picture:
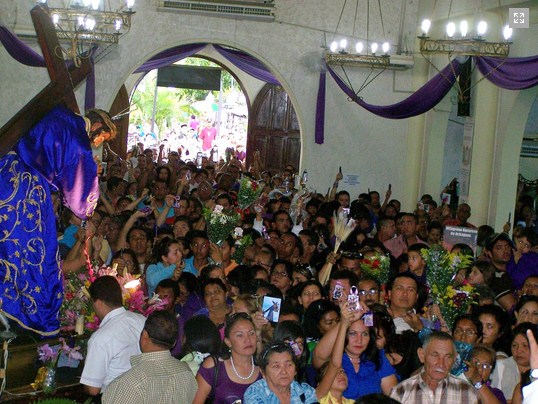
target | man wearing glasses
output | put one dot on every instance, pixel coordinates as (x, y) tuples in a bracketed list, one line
[(369, 292)]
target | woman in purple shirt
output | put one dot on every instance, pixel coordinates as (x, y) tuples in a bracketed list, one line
[(235, 372)]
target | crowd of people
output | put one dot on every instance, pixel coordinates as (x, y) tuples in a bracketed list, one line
[(212, 342)]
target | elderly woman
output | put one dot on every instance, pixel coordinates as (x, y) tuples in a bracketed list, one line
[(480, 366), (235, 372), (278, 365)]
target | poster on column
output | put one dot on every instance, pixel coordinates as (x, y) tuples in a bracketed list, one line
[(467, 152)]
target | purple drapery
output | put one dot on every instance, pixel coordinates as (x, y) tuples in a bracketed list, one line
[(19, 50), (22, 53), (248, 64), (169, 56), (510, 73), (424, 99), (429, 95), (320, 109)]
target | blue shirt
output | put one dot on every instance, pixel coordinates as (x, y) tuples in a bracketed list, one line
[(367, 380), (156, 273), (260, 393), (189, 266)]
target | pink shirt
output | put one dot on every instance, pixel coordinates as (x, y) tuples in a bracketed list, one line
[(398, 245)]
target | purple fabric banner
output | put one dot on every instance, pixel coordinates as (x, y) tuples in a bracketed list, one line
[(320, 109), (18, 50), (22, 53), (169, 56), (248, 64), (510, 73), (424, 99)]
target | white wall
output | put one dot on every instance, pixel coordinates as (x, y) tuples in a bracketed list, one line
[(404, 153)]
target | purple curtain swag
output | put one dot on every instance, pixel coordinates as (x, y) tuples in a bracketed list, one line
[(22, 53), (248, 64), (510, 73)]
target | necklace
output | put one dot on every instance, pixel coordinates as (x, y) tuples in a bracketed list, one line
[(235, 370)]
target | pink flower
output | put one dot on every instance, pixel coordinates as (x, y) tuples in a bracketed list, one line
[(46, 353)]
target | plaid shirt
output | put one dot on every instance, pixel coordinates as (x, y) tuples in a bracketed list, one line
[(450, 390), (156, 377)]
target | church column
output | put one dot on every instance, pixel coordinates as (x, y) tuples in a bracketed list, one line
[(415, 145), (485, 102)]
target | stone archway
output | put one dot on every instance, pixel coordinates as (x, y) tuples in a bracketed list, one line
[(251, 92)]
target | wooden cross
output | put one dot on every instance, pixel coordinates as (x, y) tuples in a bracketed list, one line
[(60, 90)]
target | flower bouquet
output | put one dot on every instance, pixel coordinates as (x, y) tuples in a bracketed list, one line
[(377, 267), (46, 375), (219, 224), (249, 191), (454, 302), (242, 242), (442, 269), (76, 300)]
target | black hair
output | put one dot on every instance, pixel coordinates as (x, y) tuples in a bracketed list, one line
[(169, 284), (290, 330), (271, 348), (161, 249), (162, 328), (213, 281), (201, 335), (108, 290), (474, 320), (405, 345), (113, 182), (206, 271), (501, 317), (131, 253), (190, 281), (371, 353), (314, 314)]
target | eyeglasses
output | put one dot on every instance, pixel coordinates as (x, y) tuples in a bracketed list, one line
[(485, 365), (370, 292), (280, 274), (468, 332)]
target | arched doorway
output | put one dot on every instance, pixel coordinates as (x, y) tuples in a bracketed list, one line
[(273, 125), (274, 129)]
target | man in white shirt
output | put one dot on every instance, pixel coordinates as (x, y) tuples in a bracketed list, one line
[(110, 347), (530, 392)]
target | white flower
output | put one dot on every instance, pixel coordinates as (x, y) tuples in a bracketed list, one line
[(218, 209), (238, 232)]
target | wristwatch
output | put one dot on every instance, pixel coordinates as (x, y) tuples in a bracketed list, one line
[(534, 375), (478, 385)]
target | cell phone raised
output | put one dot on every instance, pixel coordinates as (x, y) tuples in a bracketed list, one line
[(271, 308)]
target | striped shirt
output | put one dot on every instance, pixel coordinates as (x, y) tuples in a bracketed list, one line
[(450, 390), (156, 377)]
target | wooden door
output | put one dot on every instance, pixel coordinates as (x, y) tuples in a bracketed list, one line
[(274, 130), (119, 106)]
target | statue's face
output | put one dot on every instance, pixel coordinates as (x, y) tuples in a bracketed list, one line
[(99, 134)]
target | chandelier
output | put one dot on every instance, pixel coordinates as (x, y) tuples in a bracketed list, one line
[(463, 41), (87, 23), (369, 53)]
